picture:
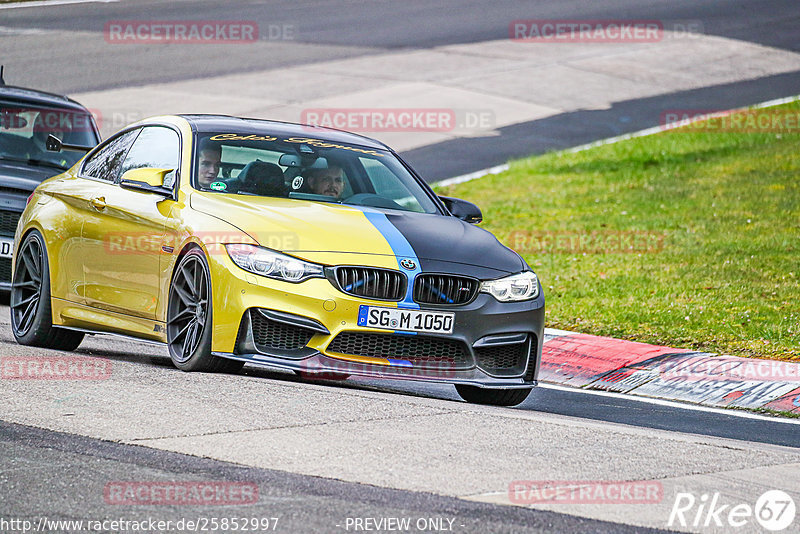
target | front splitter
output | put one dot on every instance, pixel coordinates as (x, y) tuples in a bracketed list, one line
[(320, 364)]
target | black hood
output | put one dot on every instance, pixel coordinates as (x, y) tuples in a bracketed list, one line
[(23, 177), (439, 241)]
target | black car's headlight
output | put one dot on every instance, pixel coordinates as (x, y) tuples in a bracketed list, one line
[(522, 286), (265, 262)]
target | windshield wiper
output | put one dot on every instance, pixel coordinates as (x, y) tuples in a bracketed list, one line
[(45, 163), (9, 158)]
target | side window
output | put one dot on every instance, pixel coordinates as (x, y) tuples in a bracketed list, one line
[(106, 162), (157, 147)]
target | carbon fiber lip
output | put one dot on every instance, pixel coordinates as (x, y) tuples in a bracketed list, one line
[(319, 363)]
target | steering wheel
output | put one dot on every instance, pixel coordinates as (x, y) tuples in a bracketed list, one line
[(372, 200)]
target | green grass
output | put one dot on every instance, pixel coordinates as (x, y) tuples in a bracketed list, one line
[(721, 272)]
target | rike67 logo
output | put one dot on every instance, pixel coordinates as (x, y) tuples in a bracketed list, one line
[(774, 510)]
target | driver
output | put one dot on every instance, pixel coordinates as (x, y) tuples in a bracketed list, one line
[(208, 164), (38, 148), (328, 182)]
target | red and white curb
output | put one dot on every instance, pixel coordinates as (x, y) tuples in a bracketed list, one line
[(615, 365)]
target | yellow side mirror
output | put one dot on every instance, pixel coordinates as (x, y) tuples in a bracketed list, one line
[(146, 175)]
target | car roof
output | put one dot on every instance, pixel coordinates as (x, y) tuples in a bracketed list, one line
[(226, 123), (33, 96)]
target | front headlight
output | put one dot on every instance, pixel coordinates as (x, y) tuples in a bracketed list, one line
[(522, 286), (265, 262)]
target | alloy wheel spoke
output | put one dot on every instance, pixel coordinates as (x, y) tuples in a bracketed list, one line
[(201, 283), (30, 264), (189, 280), (188, 340), (27, 300), (27, 315), (184, 296), (37, 263), (182, 315), (195, 339), (183, 330), (183, 345), (33, 263)]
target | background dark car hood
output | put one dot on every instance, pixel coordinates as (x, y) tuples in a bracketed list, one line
[(23, 177)]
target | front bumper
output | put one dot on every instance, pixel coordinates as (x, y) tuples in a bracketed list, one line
[(500, 343)]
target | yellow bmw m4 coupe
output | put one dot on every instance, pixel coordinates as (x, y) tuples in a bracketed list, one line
[(281, 245)]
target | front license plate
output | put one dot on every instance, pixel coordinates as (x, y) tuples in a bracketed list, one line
[(6, 247), (408, 320)]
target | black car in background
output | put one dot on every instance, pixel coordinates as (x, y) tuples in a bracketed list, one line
[(27, 117)]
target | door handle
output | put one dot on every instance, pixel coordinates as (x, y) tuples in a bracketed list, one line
[(98, 203)]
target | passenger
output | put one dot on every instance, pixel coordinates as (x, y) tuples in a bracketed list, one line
[(328, 182)]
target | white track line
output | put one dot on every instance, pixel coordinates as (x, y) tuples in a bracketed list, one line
[(45, 3), (472, 176), (610, 140), (673, 404)]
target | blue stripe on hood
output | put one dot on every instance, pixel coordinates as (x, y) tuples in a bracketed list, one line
[(402, 249)]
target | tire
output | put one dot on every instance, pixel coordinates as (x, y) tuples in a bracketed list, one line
[(189, 318), (31, 312), (493, 396)]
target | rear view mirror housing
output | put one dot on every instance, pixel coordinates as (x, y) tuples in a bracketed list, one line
[(462, 209), (147, 179), (54, 144)]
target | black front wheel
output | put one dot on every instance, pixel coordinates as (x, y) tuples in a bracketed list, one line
[(31, 314), (493, 396), (189, 318)]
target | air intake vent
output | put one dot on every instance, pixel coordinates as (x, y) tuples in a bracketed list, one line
[(5, 270), (506, 360), (444, 289), (270, 335), (420, 350), (369, 282), (8, 222), (532, 359)]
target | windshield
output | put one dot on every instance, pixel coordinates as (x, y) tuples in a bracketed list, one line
[(24, 130), (306, 168)]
